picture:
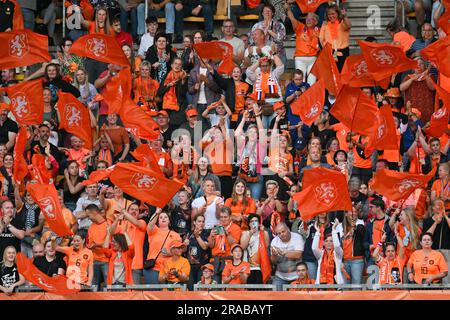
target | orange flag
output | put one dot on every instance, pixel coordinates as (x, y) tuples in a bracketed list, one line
[(18, 17), (38, 170), (75, 118), (59, 284), (46, 198), (117, 91), (264, 260), (138, 122), (100, 47), (217, 50), (310, 104), (356, 74), (439, 53), (20, 170), (97, 176), (354, 109), (438, 123), (398, 185), (385, 137), (383, 60), (309, 5), (22, 48), (145, 153), (323, 190), (27, 101), (144, 184), (325, 68)]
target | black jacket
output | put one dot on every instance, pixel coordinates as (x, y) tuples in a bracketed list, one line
[(229, 88), (176, 117), (152, 57)]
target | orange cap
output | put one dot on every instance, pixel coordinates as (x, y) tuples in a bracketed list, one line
[(191, 113), (208, 266), (393, 93), (176, 244), (163, 113), (278, 105)]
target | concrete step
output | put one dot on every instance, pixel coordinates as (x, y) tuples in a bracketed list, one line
[(365, 4)]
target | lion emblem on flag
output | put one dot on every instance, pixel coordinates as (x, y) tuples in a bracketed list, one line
[(360, 69), (326, 193), (19, 104), (73, 115), (406, 185), (143, 181), (383, 57), (48, 207), (313, 111), (97, 47), (18, 45)]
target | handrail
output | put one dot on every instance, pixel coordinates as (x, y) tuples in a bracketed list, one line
[(365, 287), (215, 287), (147, 287)]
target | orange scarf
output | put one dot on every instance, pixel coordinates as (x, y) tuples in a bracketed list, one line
[(170, 100), (105, 155), (327, 268)]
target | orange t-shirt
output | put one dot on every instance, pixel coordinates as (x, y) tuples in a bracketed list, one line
[(377, 232), (348, 250), (239, 208), (112, 207), (164, 160), (137, 237), (78, 263), (222, 247), (416, 166), (119, 137), (239, 99), (97, 233), (280, 163), (231, 268), (78, 156), (181, 265), (220, 159), (386, 267), (306, 41), (424, 268), (305, 281), (341, 134), (405, 39), (156, 239), (360, 162)]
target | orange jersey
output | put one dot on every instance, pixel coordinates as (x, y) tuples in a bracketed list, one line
[(348, 250), (156, 239), (426, 266), (181, 265), (280, 163), (239, 99), (137, 237), (306, 41), (341, 134), (221, 157), (230, 268), (409, 248), (97, 234), (78, 263), (239, 208), (304, 282), (442, 190)]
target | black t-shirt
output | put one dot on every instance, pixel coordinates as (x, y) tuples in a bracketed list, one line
[(9, 276), (167, 135), (181, 220), (50, 268), (9, 239), (7, 9), (195, 253), (69, 197), (8, 126), (283, 124), (441, 235)]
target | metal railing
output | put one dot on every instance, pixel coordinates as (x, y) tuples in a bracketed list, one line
[(148, 287), (33, 288), (225, 287), (364, 287)]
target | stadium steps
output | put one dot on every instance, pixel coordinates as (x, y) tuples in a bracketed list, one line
[(361, 12)]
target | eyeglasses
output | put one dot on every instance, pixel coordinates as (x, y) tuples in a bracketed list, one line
[(231, 26)]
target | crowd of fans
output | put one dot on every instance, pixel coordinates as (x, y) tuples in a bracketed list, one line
[(233, 199)]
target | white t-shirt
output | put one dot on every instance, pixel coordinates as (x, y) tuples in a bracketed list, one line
[(238, 45), (202, 95), (146, 42), (214, 119), (296, 243), (210, 213), (254, 56)]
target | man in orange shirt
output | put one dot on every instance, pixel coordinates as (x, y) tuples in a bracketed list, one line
[(222, 237), (97, 234), (163, 158), (236, 271), (80, 261), (176, 269)]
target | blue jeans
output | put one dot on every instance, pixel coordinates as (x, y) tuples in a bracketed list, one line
[(312, 269), (206, 12), (141, 26), (28, 18), (100, 272), (168, 12), (267, 119), (355, 269), (137, 274), (133, 15), (279, 282), (151, 276), (257, 187)]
